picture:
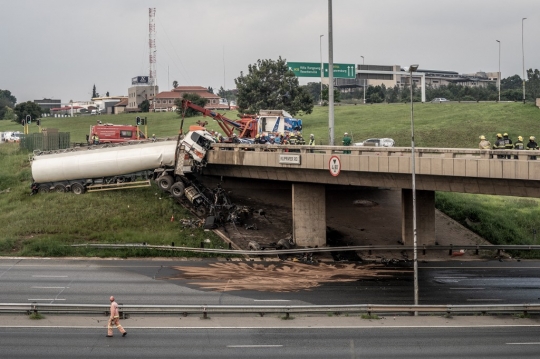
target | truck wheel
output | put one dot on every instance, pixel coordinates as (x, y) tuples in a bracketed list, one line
[(60, 188), (165, 182), (43, 188), (254, 246), (283, 244), (77, 188), (177, 190), (201, 211)]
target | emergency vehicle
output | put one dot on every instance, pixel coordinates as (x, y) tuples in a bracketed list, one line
[(109, 133)]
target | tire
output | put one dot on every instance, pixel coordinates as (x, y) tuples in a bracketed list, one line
[(77, 188), (201, 211), (177, 190), (59, 188), (254, 246), (283, 244), (43, 188), (165, 182)]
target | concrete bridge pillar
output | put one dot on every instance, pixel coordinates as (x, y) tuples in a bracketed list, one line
[(425, 217), (309, 214)]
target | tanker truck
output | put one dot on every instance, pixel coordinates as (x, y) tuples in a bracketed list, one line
[(170, 163)]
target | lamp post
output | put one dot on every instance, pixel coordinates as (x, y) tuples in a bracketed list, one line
[(523, 53), (364, 82), (499, 75), (322, 69), (412, 69)]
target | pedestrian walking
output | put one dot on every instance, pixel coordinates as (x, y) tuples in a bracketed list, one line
[(114, 319), (312, 140), (484, 144)]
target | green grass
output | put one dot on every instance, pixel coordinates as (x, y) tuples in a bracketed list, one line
[(43, 225)]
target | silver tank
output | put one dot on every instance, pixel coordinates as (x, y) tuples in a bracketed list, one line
[(102, 162)]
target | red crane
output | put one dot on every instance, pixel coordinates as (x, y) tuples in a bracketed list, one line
[(246, 126)]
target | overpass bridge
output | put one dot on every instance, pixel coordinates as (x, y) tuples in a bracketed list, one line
[(310, 168)]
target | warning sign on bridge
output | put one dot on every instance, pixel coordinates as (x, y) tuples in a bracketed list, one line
[(334, 165)]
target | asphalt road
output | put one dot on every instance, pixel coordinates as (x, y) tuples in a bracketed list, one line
[(158, 282), (411, 342)]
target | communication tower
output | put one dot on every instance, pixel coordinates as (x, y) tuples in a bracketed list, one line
[(152, 47)]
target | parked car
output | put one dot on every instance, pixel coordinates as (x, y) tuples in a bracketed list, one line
[(377, 142), (439, 100)]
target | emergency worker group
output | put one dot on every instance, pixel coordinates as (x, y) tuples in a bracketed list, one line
[(503, 142)]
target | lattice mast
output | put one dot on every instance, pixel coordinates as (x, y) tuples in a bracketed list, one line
[(152, 48)]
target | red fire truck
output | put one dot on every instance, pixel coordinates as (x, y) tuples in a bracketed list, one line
[(109, 133)]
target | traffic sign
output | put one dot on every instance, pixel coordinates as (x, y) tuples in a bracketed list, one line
[(313, 69), (344, 71), (334, 165), (305, 69)]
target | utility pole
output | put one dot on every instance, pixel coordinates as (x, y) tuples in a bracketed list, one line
[(523, 53), (330, 76)]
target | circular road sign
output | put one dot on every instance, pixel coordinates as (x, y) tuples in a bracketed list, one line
[(334, 165)]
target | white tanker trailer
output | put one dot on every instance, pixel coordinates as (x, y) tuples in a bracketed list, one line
[(125, 165)]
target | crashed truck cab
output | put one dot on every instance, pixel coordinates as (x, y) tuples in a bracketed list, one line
[(196, 142)]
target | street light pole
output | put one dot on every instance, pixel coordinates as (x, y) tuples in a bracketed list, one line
[(499, 75), (322, 69), (364, 82), (523, 53), (412, 69), (330, 75)]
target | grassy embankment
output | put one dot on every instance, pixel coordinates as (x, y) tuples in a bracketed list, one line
[(41, 225)]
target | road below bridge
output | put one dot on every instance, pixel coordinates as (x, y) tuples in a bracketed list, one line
[(214, 282)]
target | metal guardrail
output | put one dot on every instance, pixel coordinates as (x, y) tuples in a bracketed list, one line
[(272, 252), (204, 310)]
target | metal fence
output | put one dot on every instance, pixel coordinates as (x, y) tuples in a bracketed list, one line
[(204, 310), (45, 141)]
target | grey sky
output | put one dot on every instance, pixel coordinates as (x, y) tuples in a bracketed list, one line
[(61, 48)]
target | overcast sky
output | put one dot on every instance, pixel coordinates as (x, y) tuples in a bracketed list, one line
[(60, 48)]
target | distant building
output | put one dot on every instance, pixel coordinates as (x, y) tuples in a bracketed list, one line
[(141, 89), (395, 75), (164, 101), (105, 105), (48, 104)]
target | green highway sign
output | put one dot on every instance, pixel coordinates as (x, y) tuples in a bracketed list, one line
[(344, 71), (305, 69), (313, 69)]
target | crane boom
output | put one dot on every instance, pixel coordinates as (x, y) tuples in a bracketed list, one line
[(246, 126)]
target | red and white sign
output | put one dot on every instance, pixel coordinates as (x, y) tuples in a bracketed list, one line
[(334, 165)]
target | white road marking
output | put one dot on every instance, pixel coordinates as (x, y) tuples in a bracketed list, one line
[(50, 287), (255, 346), (523, 343), (468, 288), (450, 277), (44, 299), (483, 300), (271, 300), (49, 276)]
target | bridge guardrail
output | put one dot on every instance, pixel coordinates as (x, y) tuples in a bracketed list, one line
[(204, 310), (378, 151)]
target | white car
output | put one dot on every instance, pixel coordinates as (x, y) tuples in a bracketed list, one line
[(377, 142), (439, 100)]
